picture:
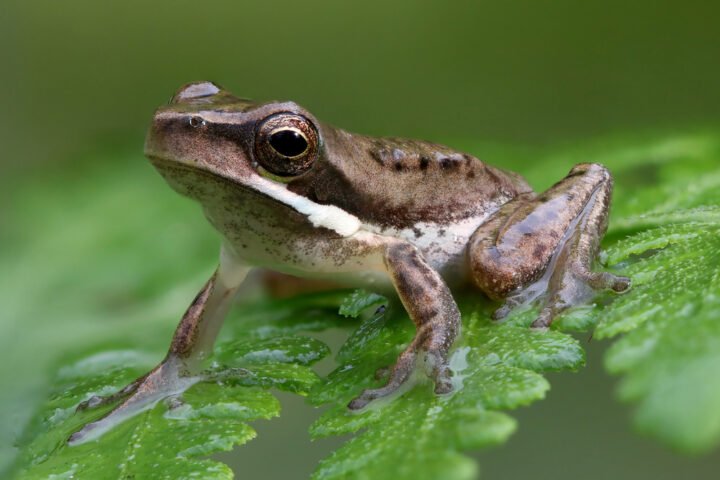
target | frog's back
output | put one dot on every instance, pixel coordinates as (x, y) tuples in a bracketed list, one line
[(398, 183)]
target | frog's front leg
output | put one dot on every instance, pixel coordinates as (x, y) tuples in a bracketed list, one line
[(432, 308), (542, 247), (191, 344)]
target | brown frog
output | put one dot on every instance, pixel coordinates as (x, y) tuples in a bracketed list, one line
[(295, 195)]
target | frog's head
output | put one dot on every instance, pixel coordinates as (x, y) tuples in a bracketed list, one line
[(206, 132), (223, 150)]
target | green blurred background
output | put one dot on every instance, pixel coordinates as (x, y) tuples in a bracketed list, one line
[(81, 79)]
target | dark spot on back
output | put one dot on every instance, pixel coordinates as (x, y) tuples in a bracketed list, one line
[(376, 156), (398, 166), (538, 251), (424, 162), (445, 163), (470, 174)]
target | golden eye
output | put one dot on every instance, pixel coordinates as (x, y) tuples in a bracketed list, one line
[(286, 144)]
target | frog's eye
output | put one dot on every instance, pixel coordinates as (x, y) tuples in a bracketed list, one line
[(286, 144)]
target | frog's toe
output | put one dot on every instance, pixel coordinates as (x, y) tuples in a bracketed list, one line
[(575, 285), (578, 271), (399, 374), (443, 387), (98, 400), (608, 281), (368, 396), (93, 401), (443, 380), (162, 381), (621, 284), (439, 370), (512, 302), (544, 319), (501, 312)]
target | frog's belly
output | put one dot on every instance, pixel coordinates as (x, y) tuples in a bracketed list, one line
[(357, 260), (349, 261), (260, 234)]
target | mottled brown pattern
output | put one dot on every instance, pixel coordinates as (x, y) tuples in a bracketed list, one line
[(395, 182)]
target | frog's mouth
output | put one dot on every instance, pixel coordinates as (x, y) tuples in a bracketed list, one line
[(195, 181)]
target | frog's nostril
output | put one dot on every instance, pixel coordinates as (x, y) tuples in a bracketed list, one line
[(196, 121), (195, 90)]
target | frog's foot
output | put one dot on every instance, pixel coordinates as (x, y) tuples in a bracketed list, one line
[(575, 285), (439, 372), (539, 249), (168, 378), (99, 400), (571, 282)]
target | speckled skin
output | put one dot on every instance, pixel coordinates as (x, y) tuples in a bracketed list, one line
[(387, 213)]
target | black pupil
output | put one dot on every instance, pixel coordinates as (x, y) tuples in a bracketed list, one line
[(288, 142)]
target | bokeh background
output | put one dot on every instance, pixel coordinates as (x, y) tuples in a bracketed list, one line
[(80, 80)]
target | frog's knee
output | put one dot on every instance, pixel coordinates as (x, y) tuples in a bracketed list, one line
[(596, 170), (492, 272)]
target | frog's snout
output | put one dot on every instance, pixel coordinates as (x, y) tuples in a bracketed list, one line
[(185, 132), (204, 130), (155, 145)]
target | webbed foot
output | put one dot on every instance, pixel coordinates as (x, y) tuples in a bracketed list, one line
[(571, 282), (436, 360), (577, 286), (168, 378)]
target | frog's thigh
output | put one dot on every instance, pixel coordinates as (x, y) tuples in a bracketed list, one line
[(432, 308), (517, 244)]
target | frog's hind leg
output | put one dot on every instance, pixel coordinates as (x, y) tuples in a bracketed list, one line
[(542, 247)]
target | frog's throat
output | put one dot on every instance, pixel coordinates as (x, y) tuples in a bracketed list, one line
[(321, 216)]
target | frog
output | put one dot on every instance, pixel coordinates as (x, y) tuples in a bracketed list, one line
[(418, 219)]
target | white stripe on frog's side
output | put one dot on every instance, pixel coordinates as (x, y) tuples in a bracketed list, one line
[(327, 216)]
